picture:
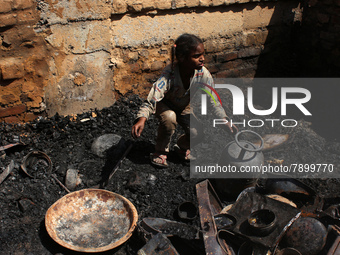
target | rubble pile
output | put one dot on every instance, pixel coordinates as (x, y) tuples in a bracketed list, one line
[(94, 150)]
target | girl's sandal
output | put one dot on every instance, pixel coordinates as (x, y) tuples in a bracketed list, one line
[(158, 160), (184, 154)]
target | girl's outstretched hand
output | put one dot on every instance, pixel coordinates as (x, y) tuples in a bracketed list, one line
[(232, 129), (137, 128)]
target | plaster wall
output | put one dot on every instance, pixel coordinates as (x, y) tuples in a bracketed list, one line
[(70, 56)]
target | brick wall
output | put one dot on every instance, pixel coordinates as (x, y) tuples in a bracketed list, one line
[(319, 42), (23, 63), (235, 35), (74, 56)]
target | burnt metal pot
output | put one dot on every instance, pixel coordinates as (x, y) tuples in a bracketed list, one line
[(240, 154), (307, 235), (187, 211), (262, 222), (36, 164)]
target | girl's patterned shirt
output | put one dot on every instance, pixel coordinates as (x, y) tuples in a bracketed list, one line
[(170, 90)]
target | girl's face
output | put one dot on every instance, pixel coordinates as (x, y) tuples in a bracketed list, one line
[(195, 60)]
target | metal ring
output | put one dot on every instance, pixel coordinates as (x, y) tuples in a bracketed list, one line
[(39, 155), (249, 149)]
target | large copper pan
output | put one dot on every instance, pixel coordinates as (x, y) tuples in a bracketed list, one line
[(91, 220)]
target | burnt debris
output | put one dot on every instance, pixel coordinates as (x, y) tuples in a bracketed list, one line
[(160, 196)]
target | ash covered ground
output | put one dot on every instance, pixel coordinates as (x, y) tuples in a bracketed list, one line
[(157, 193)]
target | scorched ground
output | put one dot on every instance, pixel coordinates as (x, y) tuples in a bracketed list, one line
[(155, 193)]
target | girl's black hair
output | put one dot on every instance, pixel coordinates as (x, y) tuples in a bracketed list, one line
[(184, 45)]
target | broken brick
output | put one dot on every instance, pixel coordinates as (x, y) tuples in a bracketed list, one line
[(11, 111), (12, 68)]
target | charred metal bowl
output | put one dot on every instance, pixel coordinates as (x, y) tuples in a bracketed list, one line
[(187, 211), (91, 220), (36, 164), (262, 222), (307, 235)]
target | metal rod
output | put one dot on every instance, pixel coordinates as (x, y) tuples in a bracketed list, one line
[(114, 170), (62, 185)]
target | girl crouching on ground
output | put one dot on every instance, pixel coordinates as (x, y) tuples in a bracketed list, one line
[(169, 100)]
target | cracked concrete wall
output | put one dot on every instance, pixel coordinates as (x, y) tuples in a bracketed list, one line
[(81, 78), (71, 56)]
